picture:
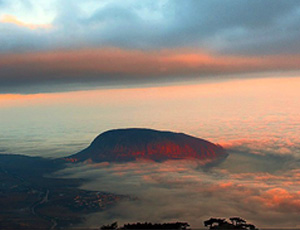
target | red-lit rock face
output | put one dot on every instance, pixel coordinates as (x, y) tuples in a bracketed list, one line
[(131, 144)]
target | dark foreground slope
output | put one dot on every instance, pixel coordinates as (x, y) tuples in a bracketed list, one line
[(32, 199), (123, 145)]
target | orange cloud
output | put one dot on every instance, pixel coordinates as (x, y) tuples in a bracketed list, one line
[(14, 20), (137, 63), (280, 198)]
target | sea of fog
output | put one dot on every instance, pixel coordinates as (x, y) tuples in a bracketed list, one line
[(256, 120)]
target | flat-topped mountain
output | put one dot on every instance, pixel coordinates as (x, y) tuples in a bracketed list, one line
[(123, 145)]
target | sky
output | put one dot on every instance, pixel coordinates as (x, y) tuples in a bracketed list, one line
[(51, 46), (222, 70)]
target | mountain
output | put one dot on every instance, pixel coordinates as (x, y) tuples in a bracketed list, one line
[(123, 145)]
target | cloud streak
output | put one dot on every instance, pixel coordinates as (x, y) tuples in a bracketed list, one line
[(110, 65)]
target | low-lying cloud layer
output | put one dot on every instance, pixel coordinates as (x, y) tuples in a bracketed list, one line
[(181, 190)]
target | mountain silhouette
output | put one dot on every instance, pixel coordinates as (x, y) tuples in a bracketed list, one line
[(123, 145)]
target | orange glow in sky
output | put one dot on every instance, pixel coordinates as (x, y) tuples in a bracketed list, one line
[(14, 20), (267, 89)]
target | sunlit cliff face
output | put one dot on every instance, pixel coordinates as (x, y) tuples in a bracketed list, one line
[(131, 144)]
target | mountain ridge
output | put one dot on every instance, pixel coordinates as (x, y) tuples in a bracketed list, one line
[(123, 145)]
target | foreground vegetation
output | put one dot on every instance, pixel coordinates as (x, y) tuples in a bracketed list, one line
[(213, 223)]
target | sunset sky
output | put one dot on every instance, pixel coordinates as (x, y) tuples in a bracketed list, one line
[(51, 46), (223, 70)]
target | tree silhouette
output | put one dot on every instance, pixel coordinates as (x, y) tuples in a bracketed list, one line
[(237, 220), (175, 226), (146, 225), (112, 226), (249, 226), (213, 221), (236, 223)]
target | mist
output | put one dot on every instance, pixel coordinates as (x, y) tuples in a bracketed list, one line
[(260, 188)]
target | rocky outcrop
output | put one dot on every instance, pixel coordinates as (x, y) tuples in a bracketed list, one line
[(123, 145)]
